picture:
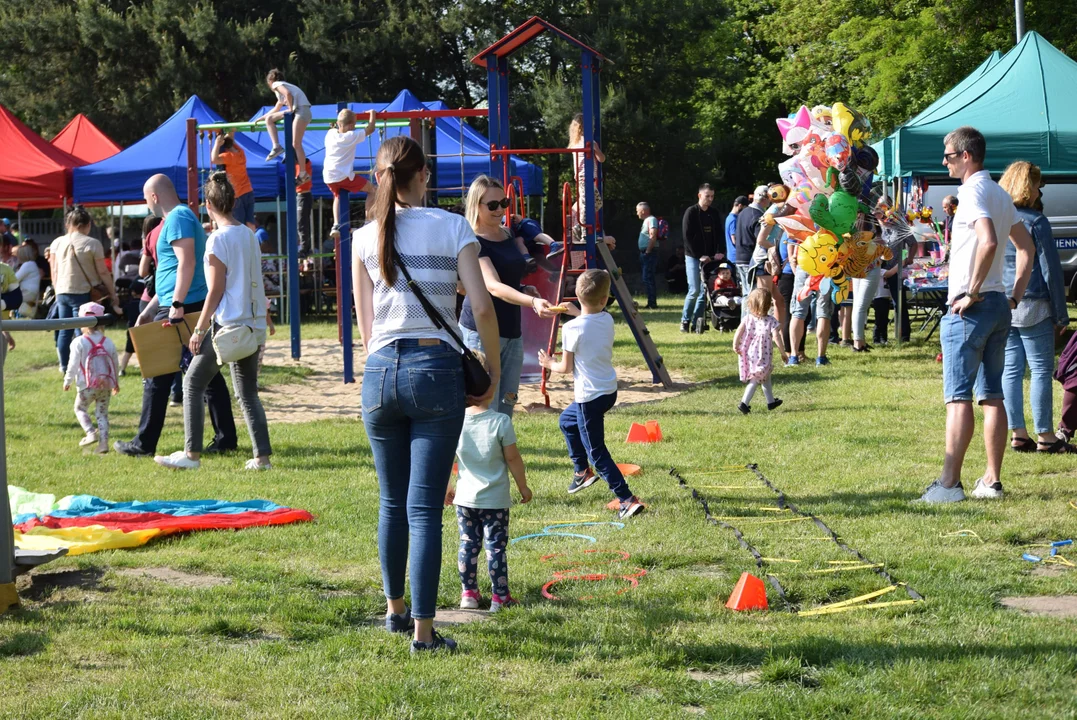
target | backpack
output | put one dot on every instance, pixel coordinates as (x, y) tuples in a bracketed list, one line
[(98, 367), (663, 229)]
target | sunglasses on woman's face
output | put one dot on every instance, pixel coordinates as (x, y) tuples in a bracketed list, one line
[(495, 204)]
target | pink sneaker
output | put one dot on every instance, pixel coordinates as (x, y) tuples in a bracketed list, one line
[(502, 601), (470, 599)]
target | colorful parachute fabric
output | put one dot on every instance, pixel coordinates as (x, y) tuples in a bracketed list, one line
[(85, 523)]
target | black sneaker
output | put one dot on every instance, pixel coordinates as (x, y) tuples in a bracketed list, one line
[(777, 403), (744, 408), (129, 449), (438, 643), (684, 327), (214, 448), (630, 507), (579, 482), (176, 401), (400, 623)]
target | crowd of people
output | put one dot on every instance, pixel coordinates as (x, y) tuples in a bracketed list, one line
[(1006, 303), (433, 286)]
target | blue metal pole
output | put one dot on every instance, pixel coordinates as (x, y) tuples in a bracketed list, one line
[(493, 102), (344, 292), (292, 237), (503, 116), (588, 158)]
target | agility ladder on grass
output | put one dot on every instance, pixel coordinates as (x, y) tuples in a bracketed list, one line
[(785, 506)]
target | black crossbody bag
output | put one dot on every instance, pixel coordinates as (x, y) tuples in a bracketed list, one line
[(476, 379)]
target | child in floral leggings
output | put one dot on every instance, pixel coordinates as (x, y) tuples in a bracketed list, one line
[(486, 454)]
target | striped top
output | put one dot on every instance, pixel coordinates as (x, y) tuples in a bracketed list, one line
[(428, 241)]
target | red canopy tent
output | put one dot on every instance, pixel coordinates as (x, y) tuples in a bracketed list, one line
[(84, 141), (33, 173)]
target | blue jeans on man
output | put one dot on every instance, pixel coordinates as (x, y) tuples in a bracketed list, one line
[(975, 340), (648, 262), (695, 302), (155, 395), (584, 428), (413, 412), (67, 306)]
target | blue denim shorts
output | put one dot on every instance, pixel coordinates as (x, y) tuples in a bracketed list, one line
[(978, 338), (801, 309)]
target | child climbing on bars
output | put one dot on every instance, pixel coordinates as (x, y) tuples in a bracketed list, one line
[(588, 354), (92, 369), (486, 454), (754, 342), (289, 99), (338, 171)]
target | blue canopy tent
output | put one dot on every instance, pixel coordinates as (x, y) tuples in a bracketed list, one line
[(120, 178), (475, 160)]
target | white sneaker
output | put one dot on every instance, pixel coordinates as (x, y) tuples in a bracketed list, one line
[(983, 491), (177, 461), (252, 464), (90, 439), (277, 151), (937, 494)]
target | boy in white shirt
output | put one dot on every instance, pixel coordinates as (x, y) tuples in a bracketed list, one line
[(338, 170), (588, 355), (92, 369)]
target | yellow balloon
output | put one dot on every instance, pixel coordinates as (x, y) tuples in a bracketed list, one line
[(821, 254)]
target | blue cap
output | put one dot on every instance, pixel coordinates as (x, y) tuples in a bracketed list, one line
[(6, 221)]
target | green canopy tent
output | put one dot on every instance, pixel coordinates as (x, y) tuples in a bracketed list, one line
[(1023, 102)]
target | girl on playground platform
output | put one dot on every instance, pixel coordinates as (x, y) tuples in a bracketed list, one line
[(338, 170), (92, 369), (588, 355), (754, 342), (579, 208), (486, 454), (289, 99)]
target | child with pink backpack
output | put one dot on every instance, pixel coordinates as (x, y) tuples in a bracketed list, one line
[(92, 369)]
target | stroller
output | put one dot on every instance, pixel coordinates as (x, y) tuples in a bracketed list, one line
[(723, 294)]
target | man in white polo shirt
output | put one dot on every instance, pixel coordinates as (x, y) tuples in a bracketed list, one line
[(973, 332)]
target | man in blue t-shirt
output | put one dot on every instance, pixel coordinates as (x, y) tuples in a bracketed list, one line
[(731, 227), (180, 284)]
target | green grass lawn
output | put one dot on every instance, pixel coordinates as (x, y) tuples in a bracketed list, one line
[(295, 632)]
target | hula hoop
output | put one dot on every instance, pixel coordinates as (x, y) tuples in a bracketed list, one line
[(618, 525), (622, 553), (633, 583), (549, 534), (561, 574)]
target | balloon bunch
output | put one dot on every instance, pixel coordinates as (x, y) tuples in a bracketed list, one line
[(829, 176)]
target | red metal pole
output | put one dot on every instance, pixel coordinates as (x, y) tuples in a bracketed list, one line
[(192, 164)]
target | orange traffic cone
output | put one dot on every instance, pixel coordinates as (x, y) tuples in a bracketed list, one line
[(638, 434), (749, 594), (653, 431)]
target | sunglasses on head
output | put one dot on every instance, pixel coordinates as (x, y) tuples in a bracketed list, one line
[(495, 204)]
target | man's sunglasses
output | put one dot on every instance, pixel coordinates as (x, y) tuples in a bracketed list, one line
[(495, 204), (946, 156)]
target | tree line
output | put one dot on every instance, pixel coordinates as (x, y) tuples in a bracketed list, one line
[(690, 94)]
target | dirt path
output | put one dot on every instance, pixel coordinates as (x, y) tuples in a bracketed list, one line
[(323, 395)]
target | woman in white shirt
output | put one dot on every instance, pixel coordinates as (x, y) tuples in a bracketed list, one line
[(413, 385), (235, 299)]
